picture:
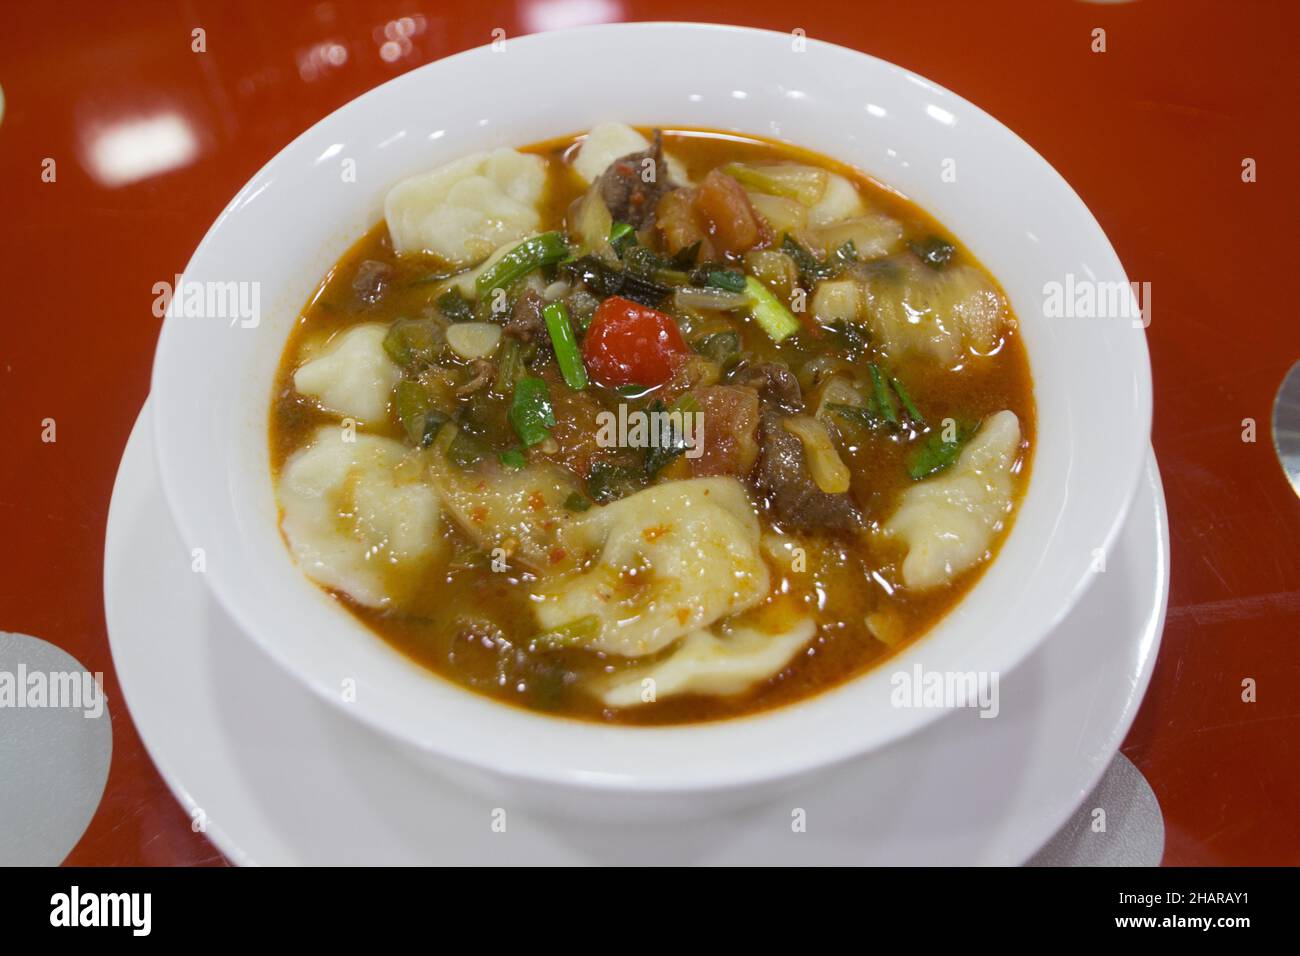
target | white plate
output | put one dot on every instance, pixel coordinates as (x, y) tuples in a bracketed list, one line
[(281, 778)]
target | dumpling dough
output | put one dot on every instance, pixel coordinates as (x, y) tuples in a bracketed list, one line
[(353, 377), (668, 560), (607, 142), (948, 521), (706, 664), (461, 212), (518, 511), (357, 517), (941, 312)]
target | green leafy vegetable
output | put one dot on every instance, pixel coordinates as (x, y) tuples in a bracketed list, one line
[(607, 482), (908, 405), (768, 311), (530, 411), (935, 251), (530, 254), (852, 336), (883, 401), (454, 306), (813, 270), (512, 458), (620, 233), (658, 457), (935, 454), (508, 362), (567, 355), (726, 279), (862, 415)]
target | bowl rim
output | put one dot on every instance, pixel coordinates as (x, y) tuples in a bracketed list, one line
[(792, 763)]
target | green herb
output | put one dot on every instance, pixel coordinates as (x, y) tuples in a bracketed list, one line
[(530, 411), (906, 399), (606, 482), (846, 254), (863, 415), (726, 279), (567, 355), (619, 234), (576, 502), (811, 269), (852, 336), (454, 306), (934, 251), (658, 457), (686, 256), (768, 311), (412, 343), (512, 458), (719, 346), (936, 454), (519, 261), (507, 364), (883, 401)]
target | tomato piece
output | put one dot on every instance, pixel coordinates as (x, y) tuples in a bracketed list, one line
[(631, 344), (724, 204)]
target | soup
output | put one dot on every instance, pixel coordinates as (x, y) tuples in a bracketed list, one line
[(651, 427)]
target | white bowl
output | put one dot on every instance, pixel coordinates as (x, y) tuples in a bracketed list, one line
[(285, 229)]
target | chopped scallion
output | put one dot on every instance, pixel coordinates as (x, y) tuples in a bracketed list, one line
[(768, 311), (567, 355)]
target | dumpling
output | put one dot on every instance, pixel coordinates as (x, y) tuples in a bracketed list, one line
[(359, 516), (353, 377), (464, 210), (666, 561), (840, 201), (941, 312), (519, 511), (948, 522), (607, 142), (708, 664)]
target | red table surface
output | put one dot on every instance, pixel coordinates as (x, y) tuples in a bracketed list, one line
[(1152, 133)]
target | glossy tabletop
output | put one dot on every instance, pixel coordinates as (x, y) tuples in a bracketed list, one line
[(120, 142)]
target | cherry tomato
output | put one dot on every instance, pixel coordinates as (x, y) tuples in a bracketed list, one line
[(631, 344)]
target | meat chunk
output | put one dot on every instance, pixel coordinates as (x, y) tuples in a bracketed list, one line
[(782, 479), (730, 431), (631, 186), (484, 371), (371, 281), (775, 383), (526, 322)]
